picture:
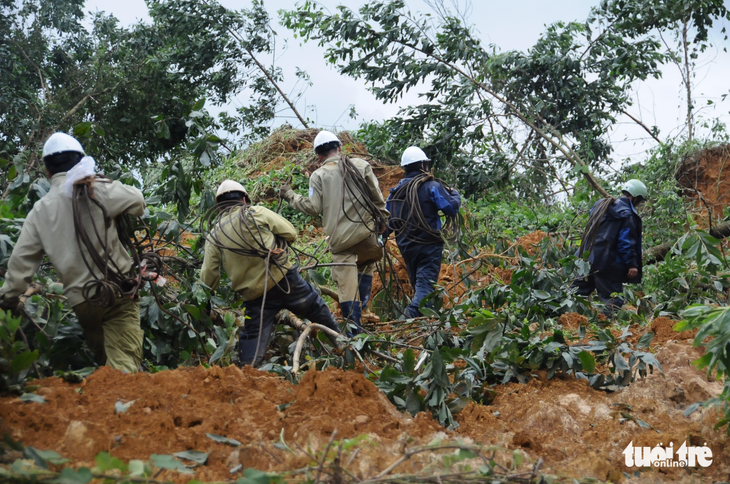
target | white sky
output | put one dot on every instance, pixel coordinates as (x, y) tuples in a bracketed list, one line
[(512, 25)]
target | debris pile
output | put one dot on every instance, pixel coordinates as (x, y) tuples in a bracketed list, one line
[(578, 431)]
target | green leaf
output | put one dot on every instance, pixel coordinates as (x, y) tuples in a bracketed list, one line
[(253, 476), (164, 461), (409, 362), (620, 362), (73, 476), (81, 130), (588, 363), (137, 468), (194, 311), (32, 397), (193, 455), (645, 340), (692, 409), (223, 440), (36, 456), (106, 462), (23, 360)]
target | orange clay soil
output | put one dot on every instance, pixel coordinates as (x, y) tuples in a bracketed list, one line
[(575, 429), (704, 176)]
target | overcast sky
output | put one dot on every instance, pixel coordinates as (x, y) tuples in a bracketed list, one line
[(514, 25)]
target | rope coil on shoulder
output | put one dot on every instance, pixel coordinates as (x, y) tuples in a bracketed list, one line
[(407, 214), (355, 185), (231, 226), (109, 280)]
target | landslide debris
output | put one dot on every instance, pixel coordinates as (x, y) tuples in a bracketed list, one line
[(578, 431)]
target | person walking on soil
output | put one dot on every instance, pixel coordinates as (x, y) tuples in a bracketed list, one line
[(112, 332), (613, 240), (345, 192), (251, 242), (414, 204)]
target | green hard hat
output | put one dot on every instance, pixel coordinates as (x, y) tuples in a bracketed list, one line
[(635, 188)]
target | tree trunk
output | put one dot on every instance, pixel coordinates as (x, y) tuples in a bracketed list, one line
[(657, 253)]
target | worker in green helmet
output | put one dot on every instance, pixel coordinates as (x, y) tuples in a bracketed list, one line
[(612, 240)]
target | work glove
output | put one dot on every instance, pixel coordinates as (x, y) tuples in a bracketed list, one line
[(284, 190)]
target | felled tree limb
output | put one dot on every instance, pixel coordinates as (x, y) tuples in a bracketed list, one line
[(330, 292), (659, 252)]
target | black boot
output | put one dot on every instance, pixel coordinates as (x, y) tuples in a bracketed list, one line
[(351, 310), (366, 287)]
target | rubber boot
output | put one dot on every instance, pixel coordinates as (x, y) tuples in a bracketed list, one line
[(366, 287), (352, 311)]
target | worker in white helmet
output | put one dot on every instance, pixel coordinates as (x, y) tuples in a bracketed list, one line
[(250, 243), (414, 204), (112, 333), (345, 192), (612, 240)]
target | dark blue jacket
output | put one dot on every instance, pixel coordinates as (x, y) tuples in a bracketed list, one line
[(432, 197), (618, 243)]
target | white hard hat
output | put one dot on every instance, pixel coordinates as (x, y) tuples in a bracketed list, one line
[(411, 155), (230, 186), (60, 143), (324, 137)]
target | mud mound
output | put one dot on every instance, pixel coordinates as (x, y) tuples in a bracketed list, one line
[(578, 431), (705, 175), (345, 401), (173, 411)]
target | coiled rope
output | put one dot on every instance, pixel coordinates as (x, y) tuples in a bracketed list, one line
[(358, 190), (109, 281), (407, 216)]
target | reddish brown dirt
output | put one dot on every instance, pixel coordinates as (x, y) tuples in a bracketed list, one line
[(575, 429), (578, 431), (572, 321), (704, 175), (173, 410), (531, 241)]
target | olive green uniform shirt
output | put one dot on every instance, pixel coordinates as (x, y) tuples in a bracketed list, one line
[(49, 230), (247, 273), (328, 197)]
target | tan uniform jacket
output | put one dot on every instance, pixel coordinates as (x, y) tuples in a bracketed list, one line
[(247, 273), (49, 230), (326, 198)]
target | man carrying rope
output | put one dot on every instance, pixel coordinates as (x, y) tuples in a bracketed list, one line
[(613, 239), (345, 192), (112, 332), (250, 242), (414, 204)]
